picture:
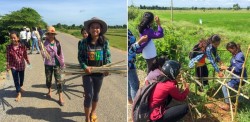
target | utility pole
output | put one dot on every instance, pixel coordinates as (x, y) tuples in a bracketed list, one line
[(172, 11)]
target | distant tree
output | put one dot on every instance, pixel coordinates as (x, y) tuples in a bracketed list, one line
[(17, 19), (236, 6), (248, 7), (124, 26), (219, 8)]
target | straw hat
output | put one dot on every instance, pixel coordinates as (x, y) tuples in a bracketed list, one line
[(103, 24), (51, 29)]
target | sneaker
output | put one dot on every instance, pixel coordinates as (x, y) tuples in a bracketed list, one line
[(38, 53)]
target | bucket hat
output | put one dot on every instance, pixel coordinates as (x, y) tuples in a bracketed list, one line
[(103, 24)]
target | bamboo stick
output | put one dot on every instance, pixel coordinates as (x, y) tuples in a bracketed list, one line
[(192, 78), (238, 76), (221, 84), (233, 90), (242, 73), (230, 103), (108, 65)]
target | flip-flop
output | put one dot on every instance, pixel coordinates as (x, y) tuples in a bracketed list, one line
[(93, 118)]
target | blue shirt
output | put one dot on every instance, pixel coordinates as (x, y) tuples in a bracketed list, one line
[(209, 51), (237, 62), (132, 47)]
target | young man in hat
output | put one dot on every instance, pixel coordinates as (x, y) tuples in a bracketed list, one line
[(93, 52)]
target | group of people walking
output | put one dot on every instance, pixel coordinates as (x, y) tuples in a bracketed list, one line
[(166, 71), (93, 51)]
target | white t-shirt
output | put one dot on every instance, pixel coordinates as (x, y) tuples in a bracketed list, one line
[(23, 35), (149, 51)]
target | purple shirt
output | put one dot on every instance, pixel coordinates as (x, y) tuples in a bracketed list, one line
[(52, 51), (151, 35)]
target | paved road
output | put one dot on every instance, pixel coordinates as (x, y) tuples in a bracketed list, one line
[(34, 106)]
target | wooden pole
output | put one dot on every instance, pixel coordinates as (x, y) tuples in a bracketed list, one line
[(172, 11), (234, 90), (242, 73), (221, 84)]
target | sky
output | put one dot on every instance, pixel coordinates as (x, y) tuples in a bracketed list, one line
[(190, 3), (113, 12)]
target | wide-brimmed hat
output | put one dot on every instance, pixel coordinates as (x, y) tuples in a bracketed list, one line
[(103, 24), (51, 29)]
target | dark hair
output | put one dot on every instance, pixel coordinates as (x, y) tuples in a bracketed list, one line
[(14, 32), (58, 45), (83, 29), (214, 38), (232, 45), (158, 62), (33, 28), (148, 18)]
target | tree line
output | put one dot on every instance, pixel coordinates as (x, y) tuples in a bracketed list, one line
[(73, 26), (156, 7)]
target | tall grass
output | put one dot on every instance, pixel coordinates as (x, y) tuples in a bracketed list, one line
[(185, 32)]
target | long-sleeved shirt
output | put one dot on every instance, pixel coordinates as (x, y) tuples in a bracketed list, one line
[(83, 56), (151, 35), (16, 57), (132, 47), (237, 62), (209, 51), (52, 51), (159, 95)]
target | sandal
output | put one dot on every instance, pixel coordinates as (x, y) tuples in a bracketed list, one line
[(93, 118)]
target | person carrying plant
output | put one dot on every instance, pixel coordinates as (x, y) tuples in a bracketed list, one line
[(236, 62), (53, 62), (93, 52)]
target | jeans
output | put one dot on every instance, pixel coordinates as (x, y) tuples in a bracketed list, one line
[(133, 83), (35, 42), (18, 77), (92, 85), (233, 83)]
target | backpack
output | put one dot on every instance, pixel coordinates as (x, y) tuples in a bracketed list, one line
[(140, 109), (199, 48)]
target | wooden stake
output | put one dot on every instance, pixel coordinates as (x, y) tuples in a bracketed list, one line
[(221, 84), (242, 73)]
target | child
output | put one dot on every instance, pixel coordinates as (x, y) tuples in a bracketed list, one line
[(237, 61), (84, 35), (54, 63), (163, 93), (16, 57), (133, 81), (93, 52), (148, 48), (201, 68)]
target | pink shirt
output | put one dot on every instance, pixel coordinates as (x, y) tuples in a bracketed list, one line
[(52, 51)]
